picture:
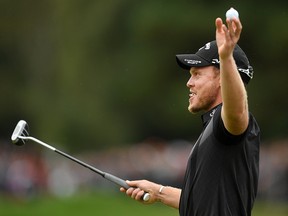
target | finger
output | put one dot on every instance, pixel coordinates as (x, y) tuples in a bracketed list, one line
[(238, 26), (218, 24), (139, 195), (135, 192), (132, 183), (129, 191), (234, 26), (226, 31), (231, 27), (224, 28), (122, 189)]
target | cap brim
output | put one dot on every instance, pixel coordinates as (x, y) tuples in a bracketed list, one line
[(186, 61)]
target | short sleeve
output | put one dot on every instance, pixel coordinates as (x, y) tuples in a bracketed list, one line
[(221, 133)]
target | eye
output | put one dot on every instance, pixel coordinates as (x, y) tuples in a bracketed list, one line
[(195, 75)]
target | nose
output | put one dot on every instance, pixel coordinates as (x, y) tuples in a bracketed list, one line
[(190, 82)]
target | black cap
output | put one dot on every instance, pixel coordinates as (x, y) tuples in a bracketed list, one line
[(208, 55)]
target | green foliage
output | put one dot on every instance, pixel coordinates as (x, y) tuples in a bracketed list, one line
[(91, 74)]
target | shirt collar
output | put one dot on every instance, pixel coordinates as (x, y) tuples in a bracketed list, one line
[(208, 115)]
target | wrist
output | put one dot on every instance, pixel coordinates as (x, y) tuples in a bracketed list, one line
[(161, 193), (161, 189), (167, 195)]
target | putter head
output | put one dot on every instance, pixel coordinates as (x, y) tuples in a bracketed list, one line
[(21, 129)]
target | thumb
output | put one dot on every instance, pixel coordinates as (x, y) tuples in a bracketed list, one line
[(132, 183), (219, 24)]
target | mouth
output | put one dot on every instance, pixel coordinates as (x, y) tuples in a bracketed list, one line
[(192, 95)]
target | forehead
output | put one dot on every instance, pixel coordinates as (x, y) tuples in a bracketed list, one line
[(203, 70)]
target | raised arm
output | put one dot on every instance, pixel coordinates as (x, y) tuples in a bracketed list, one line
[(234, 96)]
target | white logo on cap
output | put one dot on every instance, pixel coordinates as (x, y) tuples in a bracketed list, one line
[(215, 61), (191, 61), (206, 46), (248, 72)]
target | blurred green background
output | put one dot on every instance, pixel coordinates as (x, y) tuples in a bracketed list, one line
[(94, 76), (106, 205)]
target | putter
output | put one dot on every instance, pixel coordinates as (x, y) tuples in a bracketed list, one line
[(20, 135)]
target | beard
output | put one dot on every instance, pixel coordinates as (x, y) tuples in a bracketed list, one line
[(204, 103)]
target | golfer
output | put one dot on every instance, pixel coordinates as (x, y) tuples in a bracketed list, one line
[(222, 170)]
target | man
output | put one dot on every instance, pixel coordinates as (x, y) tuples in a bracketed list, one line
[(222, 170)]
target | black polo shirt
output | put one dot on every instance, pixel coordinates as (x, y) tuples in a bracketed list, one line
[(222, 171)]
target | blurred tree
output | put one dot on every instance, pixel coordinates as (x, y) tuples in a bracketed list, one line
[(91, 74)]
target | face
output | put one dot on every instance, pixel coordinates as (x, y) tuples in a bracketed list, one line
[(204, 86)]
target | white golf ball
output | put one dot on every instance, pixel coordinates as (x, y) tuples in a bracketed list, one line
[(232, 13)]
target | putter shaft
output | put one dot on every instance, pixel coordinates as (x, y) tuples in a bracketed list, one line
[(105, 175)]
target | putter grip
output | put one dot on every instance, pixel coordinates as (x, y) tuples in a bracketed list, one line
[(123, 184)]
